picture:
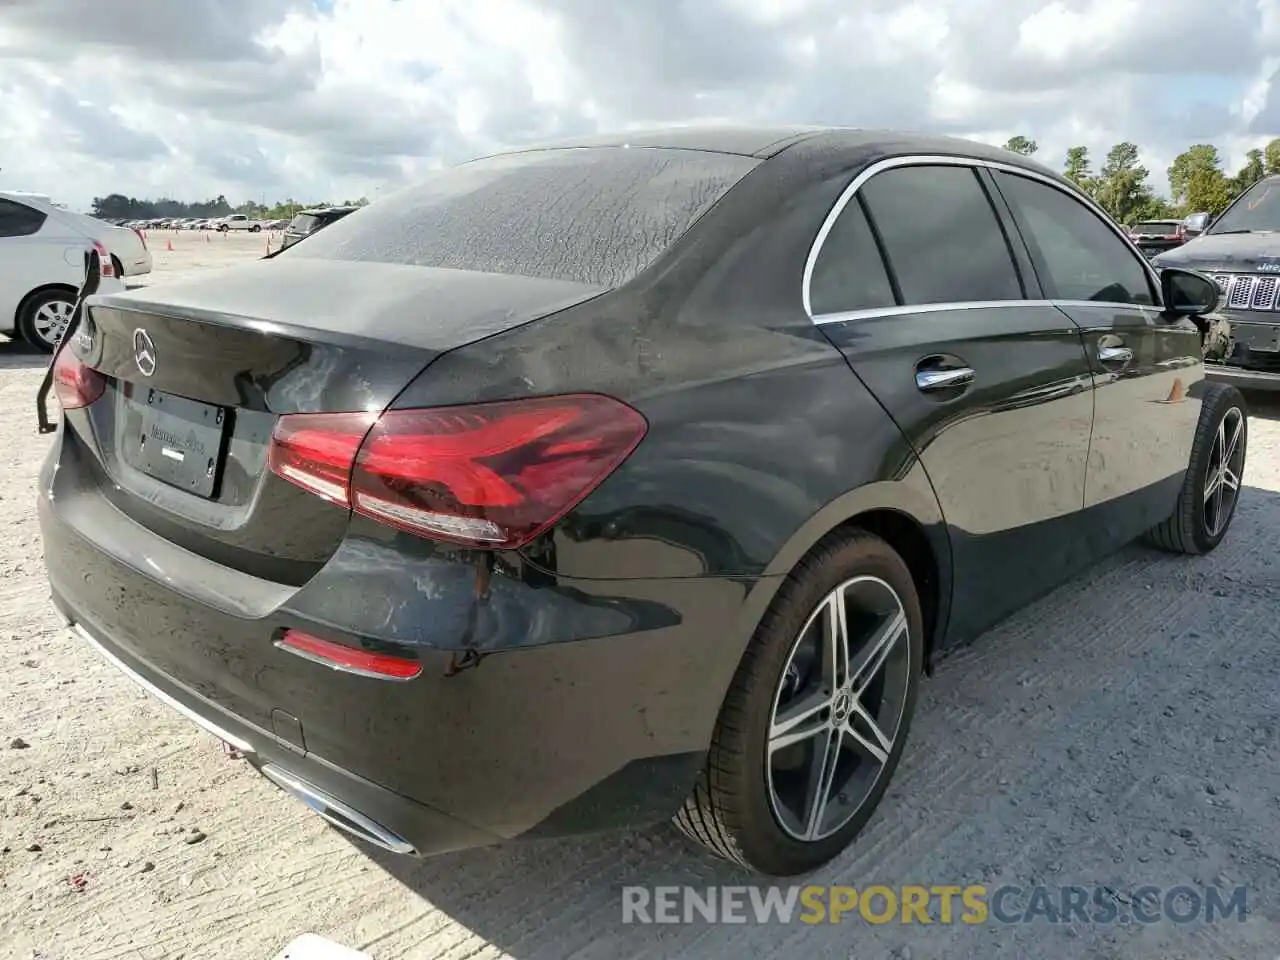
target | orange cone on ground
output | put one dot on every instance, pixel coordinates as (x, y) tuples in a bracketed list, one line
[(168, 245)]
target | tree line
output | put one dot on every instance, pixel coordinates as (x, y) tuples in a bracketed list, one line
[(1198, 181), (116, 206)]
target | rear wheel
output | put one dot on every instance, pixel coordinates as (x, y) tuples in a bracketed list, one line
[(816, 719), (44, 318), (1211, 488)]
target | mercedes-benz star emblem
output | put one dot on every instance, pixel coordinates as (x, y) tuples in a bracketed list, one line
[(144, 352)]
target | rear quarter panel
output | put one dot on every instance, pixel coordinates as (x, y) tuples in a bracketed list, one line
[(758, 430)]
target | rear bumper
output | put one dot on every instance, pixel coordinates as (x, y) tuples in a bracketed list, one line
[(591, 708), (351, 803)]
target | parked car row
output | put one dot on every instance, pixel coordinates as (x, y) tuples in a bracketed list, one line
[(42, 264), (235, 221)]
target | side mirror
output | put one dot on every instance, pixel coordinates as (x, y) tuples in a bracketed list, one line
[(1188, 294)]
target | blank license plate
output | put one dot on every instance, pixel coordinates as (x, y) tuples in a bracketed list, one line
[(174, 439)]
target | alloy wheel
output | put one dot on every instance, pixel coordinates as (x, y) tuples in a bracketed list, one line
[(838, 708), (51, 319), (1222, 478)]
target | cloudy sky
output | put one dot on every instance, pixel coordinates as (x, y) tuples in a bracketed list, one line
[(328, 99)]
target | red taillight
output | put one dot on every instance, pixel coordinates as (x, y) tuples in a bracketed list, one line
[(75, 384), (105, 264), (317, 451), (489, 474), (339, 656)]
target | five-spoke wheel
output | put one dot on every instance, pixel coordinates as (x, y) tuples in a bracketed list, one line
[(817, 715), (838, 708)]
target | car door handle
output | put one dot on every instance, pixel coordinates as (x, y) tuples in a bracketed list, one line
[(1115, 354), (944, 379)]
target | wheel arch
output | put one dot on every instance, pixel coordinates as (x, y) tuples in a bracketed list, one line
[(901, 513)]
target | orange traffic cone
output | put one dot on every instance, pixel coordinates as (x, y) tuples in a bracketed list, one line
[(206, 236), (168, 245)]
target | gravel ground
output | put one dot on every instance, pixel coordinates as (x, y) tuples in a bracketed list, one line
[(1123, 731)]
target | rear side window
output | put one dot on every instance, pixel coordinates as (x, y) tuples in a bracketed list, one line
[(849, 273), (941, 235), (597, 216), (19, 220), (1083, 257), (302, 223)]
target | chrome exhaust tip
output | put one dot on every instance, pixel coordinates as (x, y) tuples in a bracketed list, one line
[(337, 813)]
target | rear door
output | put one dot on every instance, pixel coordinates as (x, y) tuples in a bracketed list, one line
[(918, 285), (1145, 365)]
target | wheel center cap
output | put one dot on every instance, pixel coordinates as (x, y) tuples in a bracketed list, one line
[(841, 706)]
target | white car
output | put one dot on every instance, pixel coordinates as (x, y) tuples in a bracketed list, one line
[(238, 221), (42, 263)]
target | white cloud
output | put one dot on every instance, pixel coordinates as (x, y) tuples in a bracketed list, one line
[(330, 100)]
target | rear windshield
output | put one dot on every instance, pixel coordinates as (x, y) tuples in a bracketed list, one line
[(1157, 228), (301, 223), (597, 216)]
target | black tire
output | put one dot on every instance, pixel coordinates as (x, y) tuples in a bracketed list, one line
[(30, 326), (255, 229), (1193, 528), (730, 810)]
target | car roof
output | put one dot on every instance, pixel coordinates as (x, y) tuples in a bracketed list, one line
[(818, 146), (746, 141)]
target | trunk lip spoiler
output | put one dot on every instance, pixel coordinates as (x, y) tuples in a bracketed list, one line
[(92, 277)]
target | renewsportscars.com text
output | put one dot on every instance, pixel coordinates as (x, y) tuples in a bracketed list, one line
[(944, 903)]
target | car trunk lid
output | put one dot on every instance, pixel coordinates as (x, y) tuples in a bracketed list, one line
[(199, 372)]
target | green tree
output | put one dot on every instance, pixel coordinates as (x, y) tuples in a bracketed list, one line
[(1271, 157), (1253, 170), (1208, 190), (1122, 187), (1022, 145), (1200, 157), (1078, 170)]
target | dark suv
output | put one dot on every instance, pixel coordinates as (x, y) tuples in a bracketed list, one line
[(1241, 251), (1156, 236), (308, 222)]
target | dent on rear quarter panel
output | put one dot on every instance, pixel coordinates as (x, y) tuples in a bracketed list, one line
[(756, 423)]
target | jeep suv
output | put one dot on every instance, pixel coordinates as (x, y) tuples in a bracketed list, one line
[(1241, 251)]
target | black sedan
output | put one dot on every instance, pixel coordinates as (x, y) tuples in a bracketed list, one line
[(627, 478)]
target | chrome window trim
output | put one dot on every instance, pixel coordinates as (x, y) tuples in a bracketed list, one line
[(870, 313), (930, 160)]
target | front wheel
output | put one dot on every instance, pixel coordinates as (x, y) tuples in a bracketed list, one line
[(816, 718), (1211, 487)]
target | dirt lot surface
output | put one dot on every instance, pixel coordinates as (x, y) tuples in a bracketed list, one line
[(1124, 731)]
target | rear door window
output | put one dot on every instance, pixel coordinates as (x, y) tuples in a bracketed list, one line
[(19, 220), (849, 273), (1083, 257), (597, 216), (941, 235)]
